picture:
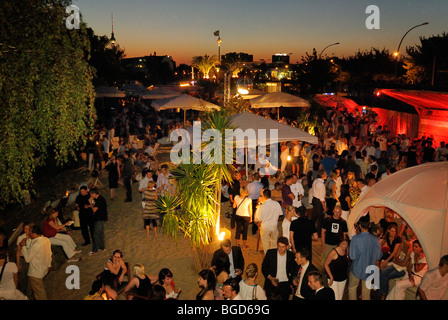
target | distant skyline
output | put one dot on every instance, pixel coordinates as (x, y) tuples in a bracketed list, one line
[(184, 28)]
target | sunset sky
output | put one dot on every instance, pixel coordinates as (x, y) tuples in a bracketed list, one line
[(184, 28)]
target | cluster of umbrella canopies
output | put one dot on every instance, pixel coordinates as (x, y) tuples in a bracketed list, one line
[(172, 97)]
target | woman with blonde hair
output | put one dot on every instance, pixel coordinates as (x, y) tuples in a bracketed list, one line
[(243, 216), (249, 289), (290, 215), (140, 285)]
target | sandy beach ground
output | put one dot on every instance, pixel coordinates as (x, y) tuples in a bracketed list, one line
[(124, 230)]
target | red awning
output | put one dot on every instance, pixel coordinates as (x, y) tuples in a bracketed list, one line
[(420, 100)]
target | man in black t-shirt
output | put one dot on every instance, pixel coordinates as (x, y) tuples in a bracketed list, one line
[(302, 231), (333, 229)]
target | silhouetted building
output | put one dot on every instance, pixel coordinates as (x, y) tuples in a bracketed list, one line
[(280, 58)]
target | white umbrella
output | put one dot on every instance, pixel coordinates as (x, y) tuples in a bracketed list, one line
[(185, 102), (277, 100), (135, 88), (161, 93), (108, 92)]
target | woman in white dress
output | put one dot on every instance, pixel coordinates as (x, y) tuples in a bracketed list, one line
[(9, 279)]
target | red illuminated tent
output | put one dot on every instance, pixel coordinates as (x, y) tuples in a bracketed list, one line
[(431, 107), (336, 101)]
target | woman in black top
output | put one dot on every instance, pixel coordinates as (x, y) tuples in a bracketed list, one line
[(112, 167), (207, 283), (344, 201), (140, 286), (336, 267)]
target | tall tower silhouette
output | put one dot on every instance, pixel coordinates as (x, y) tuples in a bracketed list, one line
[(112, 37)]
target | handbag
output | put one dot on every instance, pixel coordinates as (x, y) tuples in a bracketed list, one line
[(3, 269), (254, 292), (240, 204)]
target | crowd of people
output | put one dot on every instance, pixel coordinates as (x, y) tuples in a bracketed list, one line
[(311, 195)]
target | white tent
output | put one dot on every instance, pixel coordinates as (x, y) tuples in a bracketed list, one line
[(420, 196), (277, 100), (285, 132), (248, 121)]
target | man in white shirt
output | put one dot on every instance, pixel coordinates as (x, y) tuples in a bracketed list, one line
[(231, 289), (319, 202), (370, 149), (37, 253), (304, 291), (442, 152), (297, 190), (362, 185), (105, 148), (267, 218), (254, 189), (278, 269), (143, 184), (435, 282)]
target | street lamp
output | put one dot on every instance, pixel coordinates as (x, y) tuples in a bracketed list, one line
[(333, 44), (419, 25), (219, 49), (397, 53)]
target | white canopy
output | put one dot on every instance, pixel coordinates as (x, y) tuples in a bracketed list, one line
[(108, 92), (278, 99), (420, 196), (161, 93)]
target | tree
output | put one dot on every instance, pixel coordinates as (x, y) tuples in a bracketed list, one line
[(315, 75), (46, 92), (414, 74), (369, 70), (195, 210), (432, 56), (204, 64)]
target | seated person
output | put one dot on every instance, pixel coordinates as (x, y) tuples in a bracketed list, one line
[(96, 292), (55, 231), (113, 274), (166, 281), (140, 285)]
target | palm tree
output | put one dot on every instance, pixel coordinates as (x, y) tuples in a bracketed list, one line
[(204, 64), (195, 209)]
